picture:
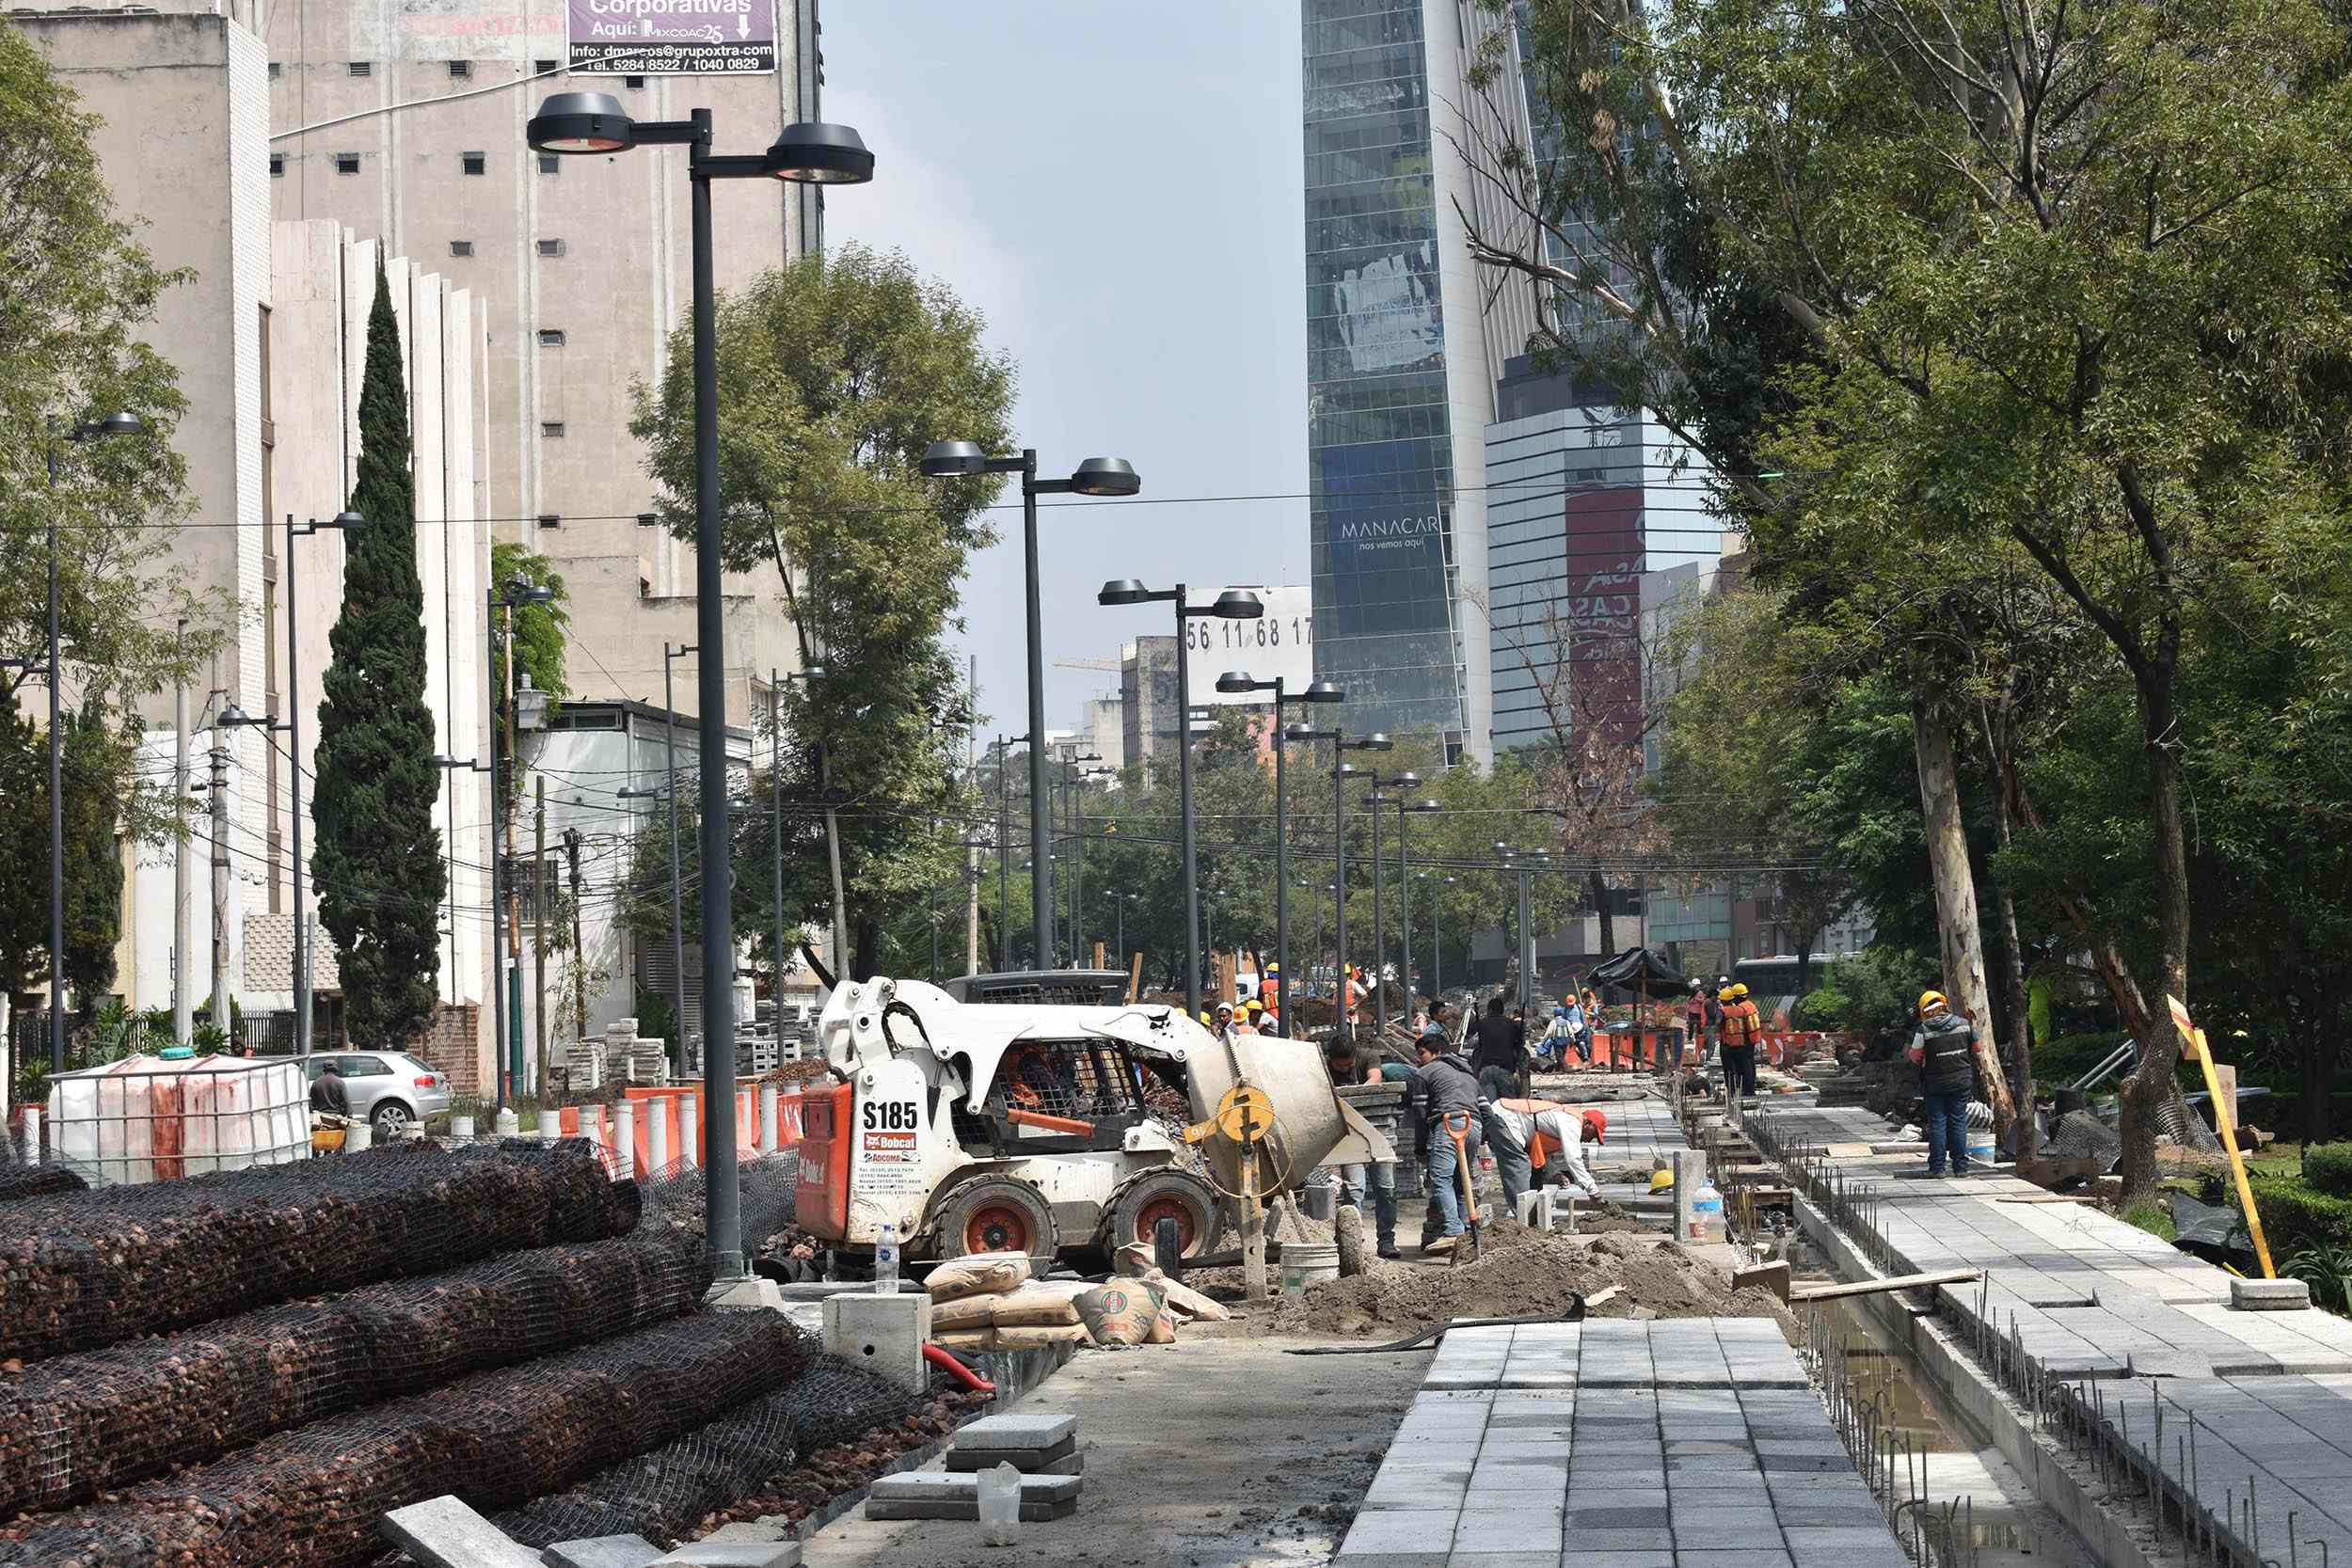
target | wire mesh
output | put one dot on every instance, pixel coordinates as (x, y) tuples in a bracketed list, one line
[(310, 1498), (83, 1270), (755, 1455), (21, 1181)]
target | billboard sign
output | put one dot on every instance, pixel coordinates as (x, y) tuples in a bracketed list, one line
[(1282, 643), (674, 38), (1598, 617)]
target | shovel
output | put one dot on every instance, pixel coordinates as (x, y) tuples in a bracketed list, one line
[(1460, 1134)]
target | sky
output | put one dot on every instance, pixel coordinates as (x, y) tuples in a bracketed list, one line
[(1117, 188)]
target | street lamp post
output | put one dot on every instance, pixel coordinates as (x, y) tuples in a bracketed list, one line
[(84, 430), (1078, 855), (1233, 605), (1236, 681), (805, 153), (1341, 772), (1404, 811), (1100, 477), (1379, 802), (677, 901), (1525, 864), (506, 1024)]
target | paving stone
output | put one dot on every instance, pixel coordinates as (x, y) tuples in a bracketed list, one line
[(736, 1554), (1026, 1460), (443, 1533), (1659, 1538), (1578, 1557), (1734, 1558), (1508, 1529), (1808, 1541), (956, 1486), (2270, 1295), (949, 1508), (1398, 1531), (741, 1531), (1615, 1518), (602, 1551)]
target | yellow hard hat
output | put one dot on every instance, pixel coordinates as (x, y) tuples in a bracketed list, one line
[(1726, 994), (1253, 1006), (1738, 990), (1660, 1179), (1931, 1000)]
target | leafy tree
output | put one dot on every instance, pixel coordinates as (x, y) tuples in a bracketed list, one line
[(532, 635), (76, 293), (834, 374), (378, 861)]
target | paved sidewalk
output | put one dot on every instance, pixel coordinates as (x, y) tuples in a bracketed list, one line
[(2140, 1326), (1685, 1443)]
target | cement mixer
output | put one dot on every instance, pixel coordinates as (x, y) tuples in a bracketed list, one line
[(1048, 1129)]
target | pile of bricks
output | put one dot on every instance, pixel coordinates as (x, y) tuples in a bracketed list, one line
[(1041, 1445)]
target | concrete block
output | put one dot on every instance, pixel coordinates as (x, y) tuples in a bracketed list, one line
[(443, 1533), (1029, 1461), (749, 1292), (602, 1551), (748, 1532), (2270, 1295), (733, 1553), (945, 1486), (1038, 1429), (943, 1508), (883, 1334)]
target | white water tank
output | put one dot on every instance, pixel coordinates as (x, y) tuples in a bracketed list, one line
[(147, 1119)]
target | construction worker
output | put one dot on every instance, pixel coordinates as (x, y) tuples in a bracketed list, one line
[(1498, 1050), (1946, 1050), (1740, 1035), (1356, 994), (1445, 1091), (1270, 988), (1530, 1137), (1353, 1064), (1693, 1027), (1253, 1016)]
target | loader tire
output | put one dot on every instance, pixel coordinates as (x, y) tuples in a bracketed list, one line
[(996, 1214), (1142, 1202)]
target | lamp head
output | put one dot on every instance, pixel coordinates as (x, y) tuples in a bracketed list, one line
[(1349, 771), (1425, 805), (347, 518), (1237, 604), (1122, 591), (1376, 741), (954, 460), (580, 122), (234, 718), (1105, 476), (522, 590), (1302, 732), (1408, 776), (1234, 681), (1323, 692), (815, 153), (121, 423)]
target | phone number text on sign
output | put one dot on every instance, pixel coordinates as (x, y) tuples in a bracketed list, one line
[(1278, 645)]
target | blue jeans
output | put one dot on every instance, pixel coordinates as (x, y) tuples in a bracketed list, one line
[(1443, 1181), (1945, 1117)]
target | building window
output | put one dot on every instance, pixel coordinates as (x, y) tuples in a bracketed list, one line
[(633, 83), (475, 163), (551, 429), (461, 247), (542, 67), (346, 163), (277, 166), (550, 163), (550, 337), (276, 71), (460, 71), (550, 248), (550, 519), (363, 68)]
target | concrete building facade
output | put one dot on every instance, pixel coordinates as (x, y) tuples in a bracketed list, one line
[(581, 265)]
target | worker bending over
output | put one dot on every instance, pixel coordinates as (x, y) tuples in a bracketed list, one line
[(1531, 1136)]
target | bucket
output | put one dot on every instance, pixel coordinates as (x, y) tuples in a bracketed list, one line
[(1980, 1146), (1306, 1263)]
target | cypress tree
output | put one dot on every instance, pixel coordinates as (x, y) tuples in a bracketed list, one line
[(379, 863)]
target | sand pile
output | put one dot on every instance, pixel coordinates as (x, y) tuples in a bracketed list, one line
[(1523, 1273)]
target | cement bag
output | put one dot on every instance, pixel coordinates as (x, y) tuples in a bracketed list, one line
[(1163, 1328), (1121, 1312), (980, 1273), (966, 1339), (1188, 1303), (1039, 1305), (965, 1312), (1037, 1337)]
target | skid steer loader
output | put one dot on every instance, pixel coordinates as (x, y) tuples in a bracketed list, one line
[(1050, 1128)]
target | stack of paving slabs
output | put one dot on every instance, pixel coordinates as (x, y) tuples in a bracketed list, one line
[(1042, 1446)]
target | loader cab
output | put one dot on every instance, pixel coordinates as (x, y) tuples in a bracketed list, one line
[(1068, 1096), (1060, 987)]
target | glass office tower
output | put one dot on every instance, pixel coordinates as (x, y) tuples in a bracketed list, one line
[(1390, 533)]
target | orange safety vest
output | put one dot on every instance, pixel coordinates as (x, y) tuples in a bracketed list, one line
[(1540, 1146)]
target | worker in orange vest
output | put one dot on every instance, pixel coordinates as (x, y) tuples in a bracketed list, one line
[(1743, 1032), (1531, 1136)]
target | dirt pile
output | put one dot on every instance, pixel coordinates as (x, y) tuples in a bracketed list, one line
[(1523, 1273)]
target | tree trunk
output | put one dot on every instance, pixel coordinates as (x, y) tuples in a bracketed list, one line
[(2160, 1045), (1596, 886), (868, 934), (1955, 882), (2012, 952)]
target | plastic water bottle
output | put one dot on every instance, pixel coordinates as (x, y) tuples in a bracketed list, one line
[(887, 1260), (1706, 1215)]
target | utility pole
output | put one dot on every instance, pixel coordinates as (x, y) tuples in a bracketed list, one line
[(1004, 862), (972, 852), (580, 953), (539, 922), (182, 987), (222, 1019)]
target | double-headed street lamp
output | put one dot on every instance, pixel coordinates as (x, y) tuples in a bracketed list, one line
[(1100, 477), (233, 716), (1379, 802), (1074, 795), (1524, 863), (1232, 683), (1235, 604), (1341, 772), (1437, 936), (85, 430), (805, 153)]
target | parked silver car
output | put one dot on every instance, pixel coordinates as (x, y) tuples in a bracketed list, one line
[(392, 1088)]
